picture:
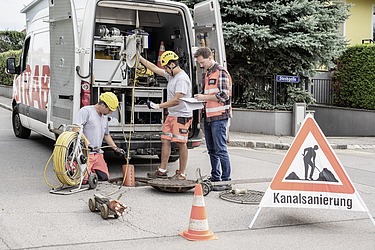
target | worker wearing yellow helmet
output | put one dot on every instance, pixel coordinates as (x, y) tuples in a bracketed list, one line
[(110, 100), (94, 122), (176, 125)]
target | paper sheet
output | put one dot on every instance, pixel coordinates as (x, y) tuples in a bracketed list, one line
[(192, 103)]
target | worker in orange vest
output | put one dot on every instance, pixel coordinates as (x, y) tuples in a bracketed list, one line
[(216, 113)]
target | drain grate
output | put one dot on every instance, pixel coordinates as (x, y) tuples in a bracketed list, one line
[(248, 197)]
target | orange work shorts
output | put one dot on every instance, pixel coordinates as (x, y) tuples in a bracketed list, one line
[(176, 129)]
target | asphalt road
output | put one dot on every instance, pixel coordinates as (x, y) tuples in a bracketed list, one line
[(32, 218)]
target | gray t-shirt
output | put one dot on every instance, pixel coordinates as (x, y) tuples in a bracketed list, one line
[(179, 83), (94, 125)]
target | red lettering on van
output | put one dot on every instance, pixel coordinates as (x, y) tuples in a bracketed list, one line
[(32, 88)]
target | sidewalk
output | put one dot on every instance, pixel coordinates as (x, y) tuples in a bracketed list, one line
[(5, 103), (238, 139)]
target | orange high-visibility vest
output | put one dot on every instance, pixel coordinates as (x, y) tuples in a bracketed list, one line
[(216, 110)]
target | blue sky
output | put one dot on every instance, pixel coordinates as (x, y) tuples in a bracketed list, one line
[(10, 16)]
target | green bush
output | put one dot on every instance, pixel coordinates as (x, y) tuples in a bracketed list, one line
[(7, 79), (354, 78)]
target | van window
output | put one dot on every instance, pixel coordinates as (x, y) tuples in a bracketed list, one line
[(40, 49), (25, 54)]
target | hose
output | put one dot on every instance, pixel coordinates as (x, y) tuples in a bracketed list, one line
[(65, 155), (130, 124)]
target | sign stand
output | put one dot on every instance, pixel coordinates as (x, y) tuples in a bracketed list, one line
[(255, 217), (371, 218), (296, 184), (259, 208)]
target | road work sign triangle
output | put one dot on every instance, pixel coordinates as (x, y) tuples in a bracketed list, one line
[(311, 175), (311, 164)]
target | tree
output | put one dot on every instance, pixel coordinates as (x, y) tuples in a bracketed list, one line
[(284, 36), (10, 46), (11, 40), (280, 36)]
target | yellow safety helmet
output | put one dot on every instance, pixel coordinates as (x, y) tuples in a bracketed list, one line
[(110, 99), (168, 56)]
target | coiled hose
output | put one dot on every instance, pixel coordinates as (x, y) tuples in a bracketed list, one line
[(65, 162)]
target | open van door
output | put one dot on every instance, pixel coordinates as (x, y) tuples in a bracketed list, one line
[(63, 41), (208, 32)]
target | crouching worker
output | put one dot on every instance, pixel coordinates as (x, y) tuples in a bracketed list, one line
[(94, 122)]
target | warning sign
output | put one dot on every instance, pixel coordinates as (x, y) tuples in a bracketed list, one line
[(311, 175)]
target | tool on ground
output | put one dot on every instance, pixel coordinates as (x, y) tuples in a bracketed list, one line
[(106, 206), (208, 185), (237, 191), (70, 158)]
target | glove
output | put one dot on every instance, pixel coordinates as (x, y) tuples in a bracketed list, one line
[(152, 105), (94, 149), (120, 151)]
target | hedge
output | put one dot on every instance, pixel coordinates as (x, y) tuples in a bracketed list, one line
[(7, 79), (354, 78)]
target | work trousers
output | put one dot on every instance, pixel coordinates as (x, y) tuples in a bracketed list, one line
[(215, 135)]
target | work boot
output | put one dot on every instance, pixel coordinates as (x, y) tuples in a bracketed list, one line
[(178, 176), (157, 174), (222, 187)]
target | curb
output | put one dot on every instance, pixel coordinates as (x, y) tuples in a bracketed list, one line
[(283, 146), (257, 144), (6, 106)]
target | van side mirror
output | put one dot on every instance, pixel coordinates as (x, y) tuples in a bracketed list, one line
[(11, 67)]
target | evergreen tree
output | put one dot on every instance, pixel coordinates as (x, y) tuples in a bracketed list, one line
[(280, 36)]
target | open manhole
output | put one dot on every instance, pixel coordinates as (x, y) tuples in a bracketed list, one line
[(244, 197), (171, 185)]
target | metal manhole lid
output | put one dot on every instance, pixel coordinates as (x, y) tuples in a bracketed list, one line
[(171, 185), (248, 197)]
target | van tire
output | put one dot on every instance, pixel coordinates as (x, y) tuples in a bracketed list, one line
[(19, 130), (171, 158)]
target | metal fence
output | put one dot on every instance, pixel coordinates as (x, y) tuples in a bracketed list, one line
[(264, 87), (322, 91), (267, 88)]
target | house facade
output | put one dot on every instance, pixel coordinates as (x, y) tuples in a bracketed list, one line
[(360, 26)]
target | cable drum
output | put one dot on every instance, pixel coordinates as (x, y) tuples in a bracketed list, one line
[(67, 155)]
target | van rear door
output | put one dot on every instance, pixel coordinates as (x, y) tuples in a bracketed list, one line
[(63, 41), (207, 25)]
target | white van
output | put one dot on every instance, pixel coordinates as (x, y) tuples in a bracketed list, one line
[(74, 51)]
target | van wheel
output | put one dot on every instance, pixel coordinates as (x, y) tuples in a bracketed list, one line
[(19, 130), (171, 158)]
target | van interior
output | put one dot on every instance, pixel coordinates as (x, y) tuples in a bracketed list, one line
[(115, 24)]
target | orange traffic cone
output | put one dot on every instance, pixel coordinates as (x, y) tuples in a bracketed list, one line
[(198, 225), (161, 51), (128, 173)]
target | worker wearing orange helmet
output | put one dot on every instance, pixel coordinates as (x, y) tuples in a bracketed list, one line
[(176, 125), (94, 122)]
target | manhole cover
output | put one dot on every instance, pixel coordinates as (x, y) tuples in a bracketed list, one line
[(244, 197), (173, 186)]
